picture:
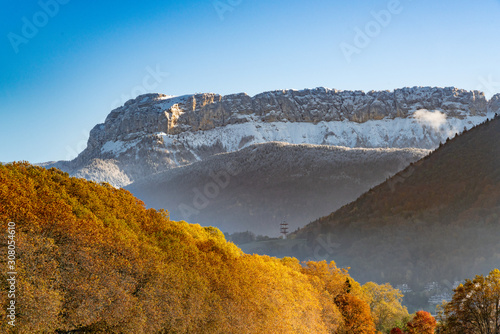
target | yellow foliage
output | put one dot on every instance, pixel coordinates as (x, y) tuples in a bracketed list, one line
[(92, 258), (385, 305)]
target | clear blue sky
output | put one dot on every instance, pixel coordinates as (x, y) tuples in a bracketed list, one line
[(87, 57)]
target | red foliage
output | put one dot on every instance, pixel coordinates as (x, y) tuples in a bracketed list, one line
[(396, 330)]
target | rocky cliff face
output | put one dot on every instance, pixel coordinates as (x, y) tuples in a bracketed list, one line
[(159, 113), (494, 104), (155, 132)]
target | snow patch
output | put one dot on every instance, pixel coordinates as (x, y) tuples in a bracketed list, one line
[(118, 147), (398, 133), (171, 101)]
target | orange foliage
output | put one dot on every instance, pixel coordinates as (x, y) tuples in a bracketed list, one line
[(92, 258), (422, 323), (356, 314)]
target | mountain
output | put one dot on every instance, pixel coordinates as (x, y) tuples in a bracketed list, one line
[(259, 186), (437, 220), (156, 132)]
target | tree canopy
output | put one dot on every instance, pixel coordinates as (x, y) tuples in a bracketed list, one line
[(92, 258), (474, 308)]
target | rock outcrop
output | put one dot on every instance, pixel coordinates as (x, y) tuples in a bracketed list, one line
[(202, 112), (156, 132)]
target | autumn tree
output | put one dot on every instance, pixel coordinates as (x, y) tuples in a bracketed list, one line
[(422, 323), (474, 308), (93, 259), (356, 313), (385, 305), (345, 309)]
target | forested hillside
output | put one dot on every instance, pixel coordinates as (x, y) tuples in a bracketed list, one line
[(254, 188), (436, 220), (91, 258)]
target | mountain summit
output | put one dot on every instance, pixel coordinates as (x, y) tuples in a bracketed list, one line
[(155, 132)]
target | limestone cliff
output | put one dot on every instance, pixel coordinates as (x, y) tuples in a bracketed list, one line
[(156, 132)]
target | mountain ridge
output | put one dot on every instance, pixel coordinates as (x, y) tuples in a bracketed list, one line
[(156, 132)]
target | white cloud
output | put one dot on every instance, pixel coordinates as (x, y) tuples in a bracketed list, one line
[(434, 119)]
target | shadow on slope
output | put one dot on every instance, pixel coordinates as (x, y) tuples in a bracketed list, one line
[(256, 188), (436, 220)]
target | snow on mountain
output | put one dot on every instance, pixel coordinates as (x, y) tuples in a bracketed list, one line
[(156, 132), (399, 132)]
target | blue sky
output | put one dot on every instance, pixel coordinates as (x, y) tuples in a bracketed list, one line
[(83, 58)]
